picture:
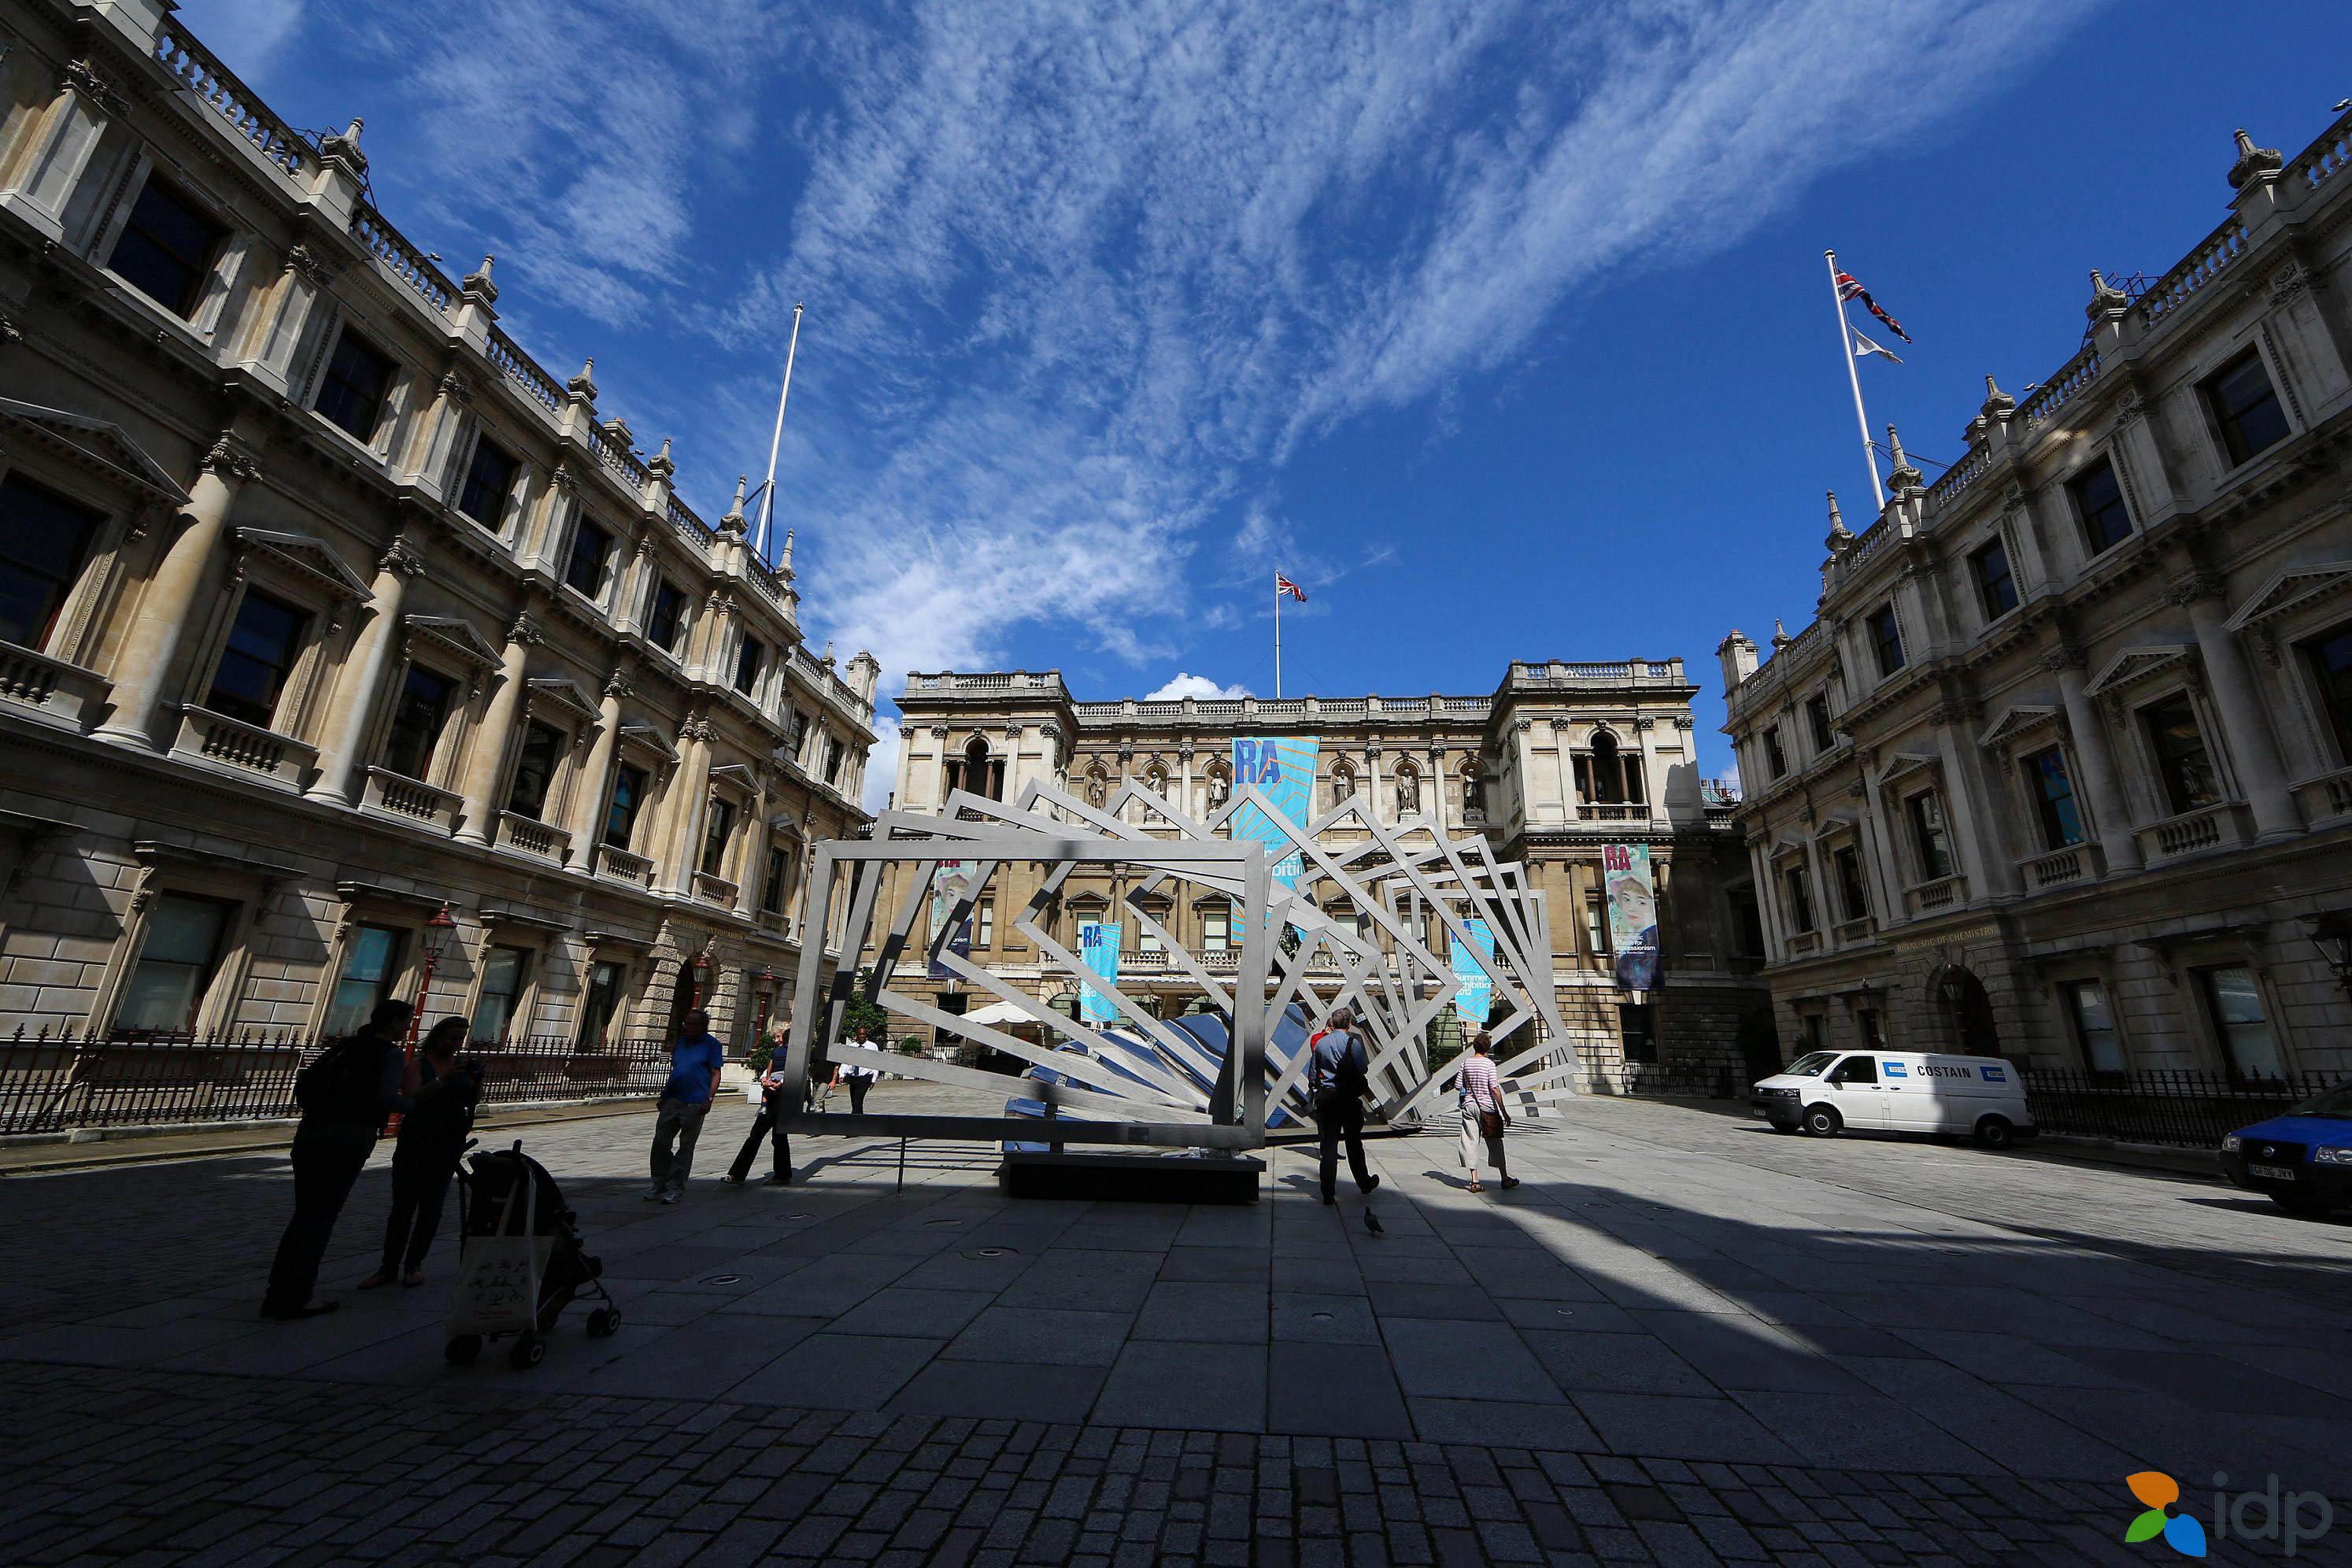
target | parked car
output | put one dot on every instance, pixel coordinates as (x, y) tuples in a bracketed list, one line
[(1824, 1092), (2301, 1161)]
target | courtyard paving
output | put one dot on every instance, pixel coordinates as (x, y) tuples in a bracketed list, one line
[(1682, 1339)]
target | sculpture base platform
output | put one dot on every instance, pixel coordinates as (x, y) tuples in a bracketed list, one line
[(1131, 1178)]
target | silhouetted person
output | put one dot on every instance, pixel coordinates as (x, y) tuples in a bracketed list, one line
[(769, 1124), (424, 1154), (1336, 1077), (344, 1095)]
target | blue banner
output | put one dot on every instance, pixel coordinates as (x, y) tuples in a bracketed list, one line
[(1282, 769), (1099, 947), (1474, 997)]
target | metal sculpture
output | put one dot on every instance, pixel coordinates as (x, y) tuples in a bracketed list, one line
[(1207, 1081)]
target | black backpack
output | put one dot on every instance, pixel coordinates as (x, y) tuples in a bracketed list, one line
[(345, 1084), (1347, 1075)]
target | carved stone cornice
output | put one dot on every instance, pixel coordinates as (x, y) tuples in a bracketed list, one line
[(401, 556), (310, 266), (2194, 588), (231, 460), (455, 385), (2289, 283), (697, 729), (88, 83), (2066, 656), (618, 684), (525, 631)]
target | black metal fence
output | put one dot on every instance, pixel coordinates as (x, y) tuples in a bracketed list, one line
[(55, 1083), (2180, 1107), (1710, 1075)]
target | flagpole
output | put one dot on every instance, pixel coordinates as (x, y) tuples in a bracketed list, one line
[(1278, 637), (1853, 378), (768, 502)]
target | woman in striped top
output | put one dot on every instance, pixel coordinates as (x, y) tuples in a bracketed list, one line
[(1481, 1098)]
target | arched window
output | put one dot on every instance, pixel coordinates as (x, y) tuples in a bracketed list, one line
[(1609, 773), (976, 771)]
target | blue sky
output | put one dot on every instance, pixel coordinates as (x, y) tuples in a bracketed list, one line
[(1503, 328)]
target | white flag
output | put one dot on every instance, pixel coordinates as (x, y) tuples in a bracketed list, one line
[(1864, 348)]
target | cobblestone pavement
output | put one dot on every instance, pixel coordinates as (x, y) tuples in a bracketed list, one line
[(1682, 1339)]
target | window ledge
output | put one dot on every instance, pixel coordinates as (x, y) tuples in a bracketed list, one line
[(2324, 799), (389, 793), (219, 741), (2221, 826), (58, 691), (2084, 862), (617, 865), (1934, 897), (532, 836)]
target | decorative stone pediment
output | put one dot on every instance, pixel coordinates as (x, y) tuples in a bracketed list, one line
[(647, 744), (2016, 719), (1833, 824), (95, 444), (1791, 840), (1902, 762), (455, 638), (734, 775), (306, 558), (2291, 590), (558, 697), (2137, 664)]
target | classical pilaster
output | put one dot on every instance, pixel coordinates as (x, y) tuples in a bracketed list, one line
[(689, 795), (63, 146), (2253, 748), (1886, 865), (356, 694), (1983, 818), (2118, 843), (486, 762), (1767, 903), (595, 776), (1965, 804), (167, 610)]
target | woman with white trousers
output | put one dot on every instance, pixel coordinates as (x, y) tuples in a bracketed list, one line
[(1480, 1093)]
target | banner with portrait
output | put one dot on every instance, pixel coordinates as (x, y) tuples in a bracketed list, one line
[(1098, 949), (1474, 993), (1632, 897), (949, 886)]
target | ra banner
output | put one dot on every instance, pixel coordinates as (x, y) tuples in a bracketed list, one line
[(949, 888), (1474, 997), (1632, 914), (1284, 769), (1099, 947)]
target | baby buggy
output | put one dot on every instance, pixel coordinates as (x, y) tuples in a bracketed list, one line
[(519, 1262)]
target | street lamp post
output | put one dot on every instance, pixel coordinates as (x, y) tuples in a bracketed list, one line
[(434, 937), (701, 990), (764, 987)]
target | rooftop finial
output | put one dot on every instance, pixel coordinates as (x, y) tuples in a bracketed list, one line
[(1903, 476), (1781, 637), (584, 385), (1841, 538), (477, 284), (343, 147), (661, 465), (735, 521), (784, 561), (2253, 162)]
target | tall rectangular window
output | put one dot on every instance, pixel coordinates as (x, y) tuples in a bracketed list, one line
[(167, 248), (772, 880), (503, 972), (370, 966), (1928, 837), (1216, 929), (1854, 894), (1887, 639), (834, 752), (1817, 720), (585, 567), (2246, 407), (2094, 1021), (714, 836), (751, 658), (983, 927), (1776, 755), (800, 736), (44, 540), (1800, 900), (2331, 666), (1596, 925), (1637, 1028), (2099, 502), (2234, 999), (490, 483), (177, 959), (2054, 798), (351, 393), (1995, 589), (542, 751), (263, 644), (417, 715), (2183, 764), (600, 1002), (668, 615), (620, 815)]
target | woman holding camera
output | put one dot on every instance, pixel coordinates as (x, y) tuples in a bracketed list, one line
[(431, 1138)]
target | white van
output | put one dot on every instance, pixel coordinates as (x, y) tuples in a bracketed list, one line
[(1824, 1092)]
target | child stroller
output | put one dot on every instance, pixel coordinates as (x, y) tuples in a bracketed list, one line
[(520, 1261)]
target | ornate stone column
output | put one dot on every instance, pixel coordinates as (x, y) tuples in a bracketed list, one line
[(691, 792), (596, 774), (1982, 819), (2247, 728), (2118, 842), (1964, 805), (167, 610), (64, 144), (1887, 869), (1767, 903), (485, 762), (362, 685)]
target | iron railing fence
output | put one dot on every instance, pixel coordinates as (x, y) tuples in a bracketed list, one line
[(56, 1082), (2180, 1107), (1712, 1075)]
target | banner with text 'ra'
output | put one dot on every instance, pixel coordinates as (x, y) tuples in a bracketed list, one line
[(1098, 948), (1282, 769), (1632, 914)]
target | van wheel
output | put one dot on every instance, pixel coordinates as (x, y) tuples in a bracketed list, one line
[(1995, 1133), (1824, 1121)]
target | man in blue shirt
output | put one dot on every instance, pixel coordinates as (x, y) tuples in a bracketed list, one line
[(1336, 1077), (694, 1064)]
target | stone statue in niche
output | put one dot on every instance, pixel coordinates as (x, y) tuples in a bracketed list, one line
[(1408, 795)]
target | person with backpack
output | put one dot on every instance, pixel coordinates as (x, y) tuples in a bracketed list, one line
[(1479, 1094), (426, 1153), (1339, 1071), (344, 1096)]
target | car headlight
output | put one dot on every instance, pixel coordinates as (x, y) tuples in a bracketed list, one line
[(2331, 1156), (2229, 1144)]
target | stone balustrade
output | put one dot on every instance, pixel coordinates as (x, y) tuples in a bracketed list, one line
[(532, 836), (218, 739), (618, 865), (412, 800), (60, 692)]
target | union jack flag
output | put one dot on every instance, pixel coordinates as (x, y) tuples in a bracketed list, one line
[(1849, 290), (1283, 584)]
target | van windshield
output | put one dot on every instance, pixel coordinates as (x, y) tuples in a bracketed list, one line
[(1811, 1064), (2335, 1104)]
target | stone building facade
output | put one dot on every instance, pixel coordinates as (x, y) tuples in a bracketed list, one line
[(1559, 760), (324, 607), (2064, 767)]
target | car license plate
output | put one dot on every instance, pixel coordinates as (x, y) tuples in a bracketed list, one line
[(2272, 1172)]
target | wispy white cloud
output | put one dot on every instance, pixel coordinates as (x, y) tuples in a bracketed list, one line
[(250, 36), (1184, 685)]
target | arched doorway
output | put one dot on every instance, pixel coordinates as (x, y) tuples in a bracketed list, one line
[(1963, 998), (681, 997)]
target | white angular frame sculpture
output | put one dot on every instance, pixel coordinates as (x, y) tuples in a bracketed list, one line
[(1151, 1082)]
